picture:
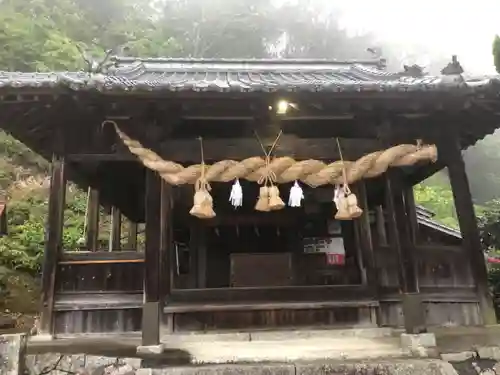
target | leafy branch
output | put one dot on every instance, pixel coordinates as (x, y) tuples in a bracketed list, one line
[(496, 53)]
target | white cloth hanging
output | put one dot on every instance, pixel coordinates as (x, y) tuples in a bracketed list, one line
[(236, 196), (296, 195), (337, 195)]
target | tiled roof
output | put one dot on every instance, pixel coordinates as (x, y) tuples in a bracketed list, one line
[(128, 74), (424, 217)]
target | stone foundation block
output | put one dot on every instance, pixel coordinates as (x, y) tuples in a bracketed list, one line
[(489, 352), (150, 349), (392, 367), (425, 340), (12, 353), (223, 369), (457, 357)]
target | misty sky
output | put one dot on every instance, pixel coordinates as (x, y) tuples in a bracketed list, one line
[(465, 28)]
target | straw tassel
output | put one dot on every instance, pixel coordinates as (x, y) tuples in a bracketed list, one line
[(275, 202), (263, 200), (352, 205), (236, 196), (269, 194), (345, 200), (202, 200), (296, 195)]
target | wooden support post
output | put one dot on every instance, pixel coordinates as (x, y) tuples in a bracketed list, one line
[(132, 236), (166, 249), (411, 210), (53, 243), (193, 254), (202, 256), (116, 230), (450, 152), (153, 260), (400, 241), (366, 243), (381, 232), (92, 234)]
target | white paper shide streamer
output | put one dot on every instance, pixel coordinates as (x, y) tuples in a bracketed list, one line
[(337, 196), (236, 196), (296, 195)]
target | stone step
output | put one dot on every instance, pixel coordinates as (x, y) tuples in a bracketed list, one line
[(287, 351), (389, 367), (280, 335)]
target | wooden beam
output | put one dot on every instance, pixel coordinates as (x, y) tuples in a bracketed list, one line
[(449, 148), (263, 306), (345, 293), (92, 225), (152, 264), (241, 148), (100, 256), (423, 172), (98, 301), (53, 244)]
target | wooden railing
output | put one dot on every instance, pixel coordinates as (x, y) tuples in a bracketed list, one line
[(102, 290)]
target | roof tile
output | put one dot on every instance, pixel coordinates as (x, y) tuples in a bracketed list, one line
[(241, 76)]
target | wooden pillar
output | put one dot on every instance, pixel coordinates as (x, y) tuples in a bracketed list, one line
[(53, 242), (92, 235), (157, 229), (166, 250), (366, 244), (197, 255), (450, 152), (411, 210), (132, 236), (193, 254), (116, 230), (402, 245), (381, 233), (366, 236), (202, 255)]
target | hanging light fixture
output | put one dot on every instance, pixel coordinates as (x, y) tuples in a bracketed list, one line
[(282, 107)]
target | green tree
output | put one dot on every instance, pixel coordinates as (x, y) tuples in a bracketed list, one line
[(483, 169), (496, 53), (438, 199)]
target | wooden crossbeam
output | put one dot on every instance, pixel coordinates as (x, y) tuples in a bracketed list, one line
[(241, 148)]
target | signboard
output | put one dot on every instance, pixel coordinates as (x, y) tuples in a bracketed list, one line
[(332, 247)]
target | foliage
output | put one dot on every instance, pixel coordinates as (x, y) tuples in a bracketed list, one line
[(489, 226), (23, 248), (438, 199), (496, 53), (483, 168)]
